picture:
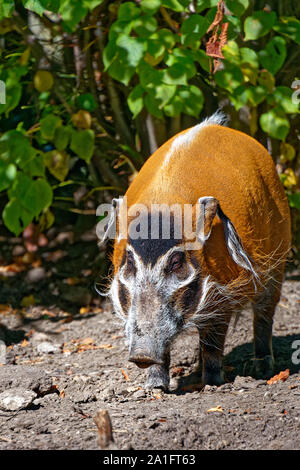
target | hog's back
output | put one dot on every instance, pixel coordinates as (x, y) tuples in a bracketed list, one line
[(230, 166)]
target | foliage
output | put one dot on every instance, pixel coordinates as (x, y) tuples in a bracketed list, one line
[(94, 86)]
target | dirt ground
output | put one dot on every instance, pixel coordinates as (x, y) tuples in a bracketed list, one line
[(86, 370), (66, 358)]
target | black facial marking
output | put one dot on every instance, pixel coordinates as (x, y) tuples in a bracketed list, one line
[(190, 295), (151, 249), (124, 296)]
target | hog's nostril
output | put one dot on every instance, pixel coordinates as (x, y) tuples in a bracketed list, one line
[(143, 361)]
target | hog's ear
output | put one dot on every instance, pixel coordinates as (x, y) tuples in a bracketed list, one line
[(209, 207), (206, 210), (106, 228)]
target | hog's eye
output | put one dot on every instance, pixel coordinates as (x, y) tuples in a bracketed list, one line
[(175, 262)]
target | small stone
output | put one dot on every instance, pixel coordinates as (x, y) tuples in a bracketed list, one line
[(247, 382), (210, 388), (108, 394), (18, 250), (139, 394), (36, 275), (47, 348), (16, 399), (38, 337)]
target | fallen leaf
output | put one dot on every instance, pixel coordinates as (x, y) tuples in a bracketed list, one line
[(87, 341), (24, 343), (62, 393), (282, 376), (125, 375), (157, 396), (217, 408), (5, 308), (27, 301), (12, 269), (72, 281)]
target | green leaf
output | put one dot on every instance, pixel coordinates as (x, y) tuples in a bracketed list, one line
[(230, 77), (176, 5), (174, 107), (150, 6), (201, 57), (13, 96), (135, 100), (165, 36), (72, 12), (119, 27), (128, 11), (39, 6), (288, 26), (15, 148), (181, 68), (91, 4), (121, 72), (192, 30), (82, 143), (256, 94), (110, 53), (188, 99), (62, 137), (237, 7), (275, 124), (6, 8), (16, 217), (282, 96), (239, 97), (48, 126), (86, 101), (152, 106), (7, 174), (58, 163), (133, 48), (192, 100), (164, 94), (145, 25), (33, 195), (249, 56), (231, 52), (204, 4), (294, 200), (272, 57), (34, 166), (259, 24)]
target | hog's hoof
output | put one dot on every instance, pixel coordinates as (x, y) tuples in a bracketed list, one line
[(215, 377), (263, 368), (158, 377), (190, 382)]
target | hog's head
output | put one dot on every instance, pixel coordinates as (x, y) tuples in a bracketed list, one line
[(160, 283)]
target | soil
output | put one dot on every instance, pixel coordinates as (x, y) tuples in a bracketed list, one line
[(74, 362)]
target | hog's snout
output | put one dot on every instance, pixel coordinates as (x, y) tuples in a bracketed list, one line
[(143, 359)]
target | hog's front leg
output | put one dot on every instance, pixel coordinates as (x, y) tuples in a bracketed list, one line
[(212, 354), (158, 375)]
